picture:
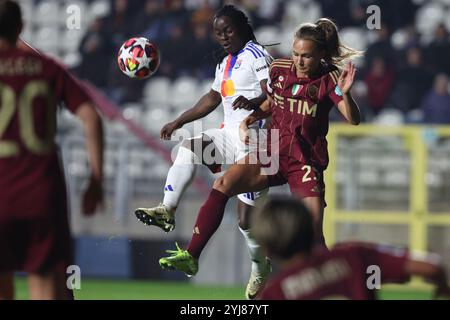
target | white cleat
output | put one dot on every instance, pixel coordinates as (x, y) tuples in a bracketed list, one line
[(160, 216), (257, 281)]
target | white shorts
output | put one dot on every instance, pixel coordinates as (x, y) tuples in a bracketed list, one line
[(232, 149)]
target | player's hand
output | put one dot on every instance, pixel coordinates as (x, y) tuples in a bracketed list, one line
[(168, 129), (346, 78), (93, 197), (243, 103)]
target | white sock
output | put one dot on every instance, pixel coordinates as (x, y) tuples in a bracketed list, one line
[(258, 258), (180, 176)]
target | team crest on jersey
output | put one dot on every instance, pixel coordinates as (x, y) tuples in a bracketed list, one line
[(312, 91), (238, 64), (281, 78), (296, 89)]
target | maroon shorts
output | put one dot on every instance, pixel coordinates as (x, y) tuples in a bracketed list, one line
[(34, 244), (304, 179)]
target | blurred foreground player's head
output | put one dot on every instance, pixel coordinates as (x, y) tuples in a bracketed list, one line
[(10, 21)]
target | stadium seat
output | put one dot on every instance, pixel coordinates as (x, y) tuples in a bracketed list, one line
[(133, 112), (447, 19), (48, 13), (285, 38), (77, 159), (157, 91), (368, 178), (444, 2), (429, 16), (268, 35), (205, 86), (184, 93), (390, 117), (297, 12), (27, 12), (72, 59), (399, 38), (47, 39), (155, 117), (68, 121), (396, 178), (354, 38), (28, 34), (70, 40), (359, 88), (115, 128), (100, 8)]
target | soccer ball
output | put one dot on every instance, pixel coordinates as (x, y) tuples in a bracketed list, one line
[(138, 58)]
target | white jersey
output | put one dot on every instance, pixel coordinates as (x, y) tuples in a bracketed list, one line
[(240, 75)]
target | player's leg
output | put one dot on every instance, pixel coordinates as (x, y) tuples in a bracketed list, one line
[(316, 206), (6, 286), (238, 178), (306, 182), (49, 286), (179, 177), (260, 263)]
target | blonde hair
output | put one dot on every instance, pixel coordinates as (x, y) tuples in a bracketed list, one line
[(326, 35)]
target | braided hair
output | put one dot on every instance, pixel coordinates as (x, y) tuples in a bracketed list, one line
[(242, 24)]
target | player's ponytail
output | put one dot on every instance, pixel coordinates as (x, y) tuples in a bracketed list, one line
[(326, 35)]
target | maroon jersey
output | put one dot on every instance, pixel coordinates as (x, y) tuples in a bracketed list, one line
[(300, 110), (31, 86), (342, 273)]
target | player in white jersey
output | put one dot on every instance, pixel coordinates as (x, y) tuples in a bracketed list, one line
[(243, 71)]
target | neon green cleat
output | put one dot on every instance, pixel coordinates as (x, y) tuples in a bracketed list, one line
[(180, 260), (160, 216), (257, 281)]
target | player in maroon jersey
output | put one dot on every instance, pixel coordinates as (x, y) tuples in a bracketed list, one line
[(284, 227), (303, 90), (34, 228)]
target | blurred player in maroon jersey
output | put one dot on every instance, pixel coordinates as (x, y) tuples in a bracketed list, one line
[(34, 229), (302, 92), (284, 226)]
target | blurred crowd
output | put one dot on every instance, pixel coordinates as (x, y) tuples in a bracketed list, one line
[(411, 79)]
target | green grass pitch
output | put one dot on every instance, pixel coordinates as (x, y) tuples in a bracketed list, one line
[(92, 289)]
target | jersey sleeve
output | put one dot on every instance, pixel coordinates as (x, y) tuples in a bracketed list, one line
[(216, 84), (390, 260), (334, 93), (69, 89), (260, 67), (271, 80)]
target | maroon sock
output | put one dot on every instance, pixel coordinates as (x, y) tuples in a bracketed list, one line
[(208, 220)]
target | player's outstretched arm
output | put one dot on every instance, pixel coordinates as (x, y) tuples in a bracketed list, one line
[(251, 104), (348, 107), (207, 104), (262, 112), (93, 129), (429, 267)]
